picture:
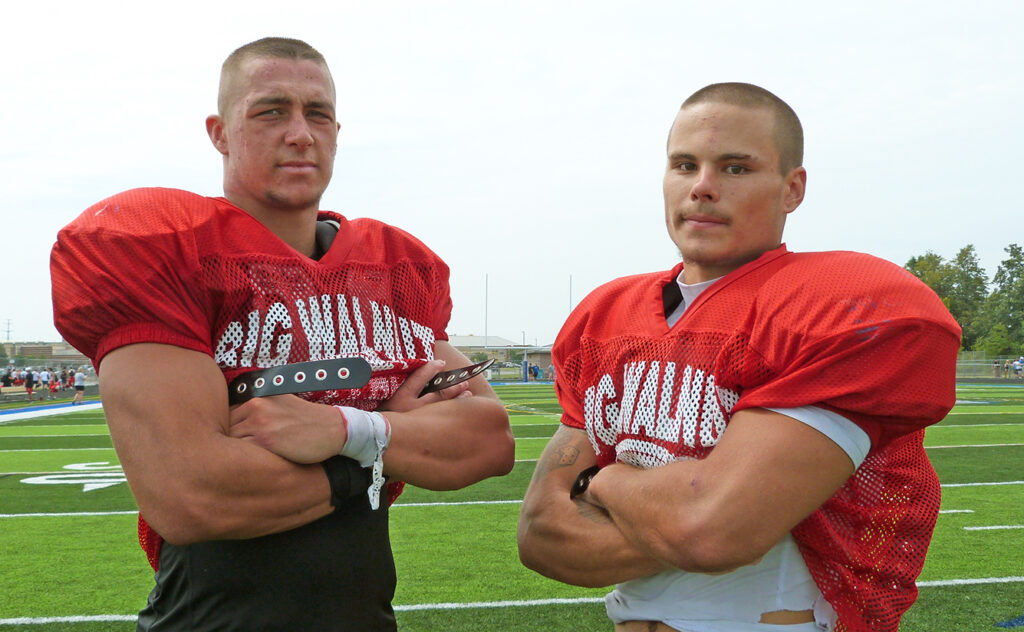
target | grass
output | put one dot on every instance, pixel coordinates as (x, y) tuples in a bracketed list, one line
[(457, 564)]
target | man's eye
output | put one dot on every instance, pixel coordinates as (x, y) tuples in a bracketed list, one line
[(736, 170), (686, 166)]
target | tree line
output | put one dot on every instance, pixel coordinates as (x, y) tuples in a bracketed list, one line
[(991, 314)]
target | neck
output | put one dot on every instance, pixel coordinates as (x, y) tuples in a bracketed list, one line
[(295, 227)]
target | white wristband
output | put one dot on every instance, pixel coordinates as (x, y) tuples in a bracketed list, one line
[(369, 434)]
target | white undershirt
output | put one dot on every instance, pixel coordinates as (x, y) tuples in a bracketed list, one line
[(735, 601)]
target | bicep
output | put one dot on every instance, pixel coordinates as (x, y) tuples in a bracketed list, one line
[(160, 402), (770, 472), (167, 408), (154, 392)]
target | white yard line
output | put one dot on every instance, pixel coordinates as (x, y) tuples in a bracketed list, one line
[(469, 604)]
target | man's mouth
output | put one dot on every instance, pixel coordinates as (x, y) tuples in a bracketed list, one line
[(703, 220), (297, 166)]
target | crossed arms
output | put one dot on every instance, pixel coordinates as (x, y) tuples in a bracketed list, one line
[(200, 471), (767, 473)]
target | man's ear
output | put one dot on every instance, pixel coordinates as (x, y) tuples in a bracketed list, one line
[(215, 130), (796, 185)]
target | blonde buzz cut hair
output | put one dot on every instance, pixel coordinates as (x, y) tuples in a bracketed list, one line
[(789, 133), (272, 47)]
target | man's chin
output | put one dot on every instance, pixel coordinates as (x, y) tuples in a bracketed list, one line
[(297, 202)]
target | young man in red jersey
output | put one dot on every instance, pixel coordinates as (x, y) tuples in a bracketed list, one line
[(741, 448), (269, 515)]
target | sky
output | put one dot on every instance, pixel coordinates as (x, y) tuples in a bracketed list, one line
[(524, 141)]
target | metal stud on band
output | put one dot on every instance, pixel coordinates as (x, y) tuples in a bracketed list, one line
[(445, 379), (334, 374)]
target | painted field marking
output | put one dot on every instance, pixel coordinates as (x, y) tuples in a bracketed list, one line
[(1012, 623), (70, 514), (460, 503), (96, 618), (465, 605), (55, 449), (59, 409), (981, 484), (52, 436), (952, 511), (970, 582), (979, 445), (995, 527)]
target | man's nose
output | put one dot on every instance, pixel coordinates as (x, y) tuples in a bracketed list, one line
[(299, 132), (705, 187)]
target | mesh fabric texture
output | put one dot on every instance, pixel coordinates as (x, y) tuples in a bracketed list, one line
[(167, 266), (843, 331)]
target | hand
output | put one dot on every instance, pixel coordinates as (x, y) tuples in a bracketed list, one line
[(290, 427), (407, 397)]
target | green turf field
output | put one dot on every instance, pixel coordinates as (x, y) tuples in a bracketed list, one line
[(69, 558)]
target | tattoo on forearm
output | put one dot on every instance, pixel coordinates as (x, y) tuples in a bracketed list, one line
[(567, 455), (561, 452)]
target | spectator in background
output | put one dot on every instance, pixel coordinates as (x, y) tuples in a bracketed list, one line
[(29, 382), (44, 383), (79, 386)]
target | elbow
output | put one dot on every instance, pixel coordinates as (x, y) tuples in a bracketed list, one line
[(531, 550), (184, 519), (540, 551), (504, 458), (494, 459), (497, 451)]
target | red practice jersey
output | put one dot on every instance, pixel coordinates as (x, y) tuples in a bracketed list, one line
[(839, 330), (171, 267)]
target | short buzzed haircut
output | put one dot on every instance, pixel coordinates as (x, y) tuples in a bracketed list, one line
[(789, 134), (273, 47)]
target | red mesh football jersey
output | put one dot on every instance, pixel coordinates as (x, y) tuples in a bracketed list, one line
[(168, 266), (843, 331)]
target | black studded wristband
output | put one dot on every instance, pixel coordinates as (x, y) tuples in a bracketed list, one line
[(582, 481)]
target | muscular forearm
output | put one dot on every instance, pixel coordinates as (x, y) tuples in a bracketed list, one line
[(451, 444), (663, 513), (577, 543), (235, 491), (767, 473), (573, 541)]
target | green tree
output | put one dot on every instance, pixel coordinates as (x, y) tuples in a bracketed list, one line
[(963, 287), (934, 271), (1004, 308), (997, 342), (968, 289)]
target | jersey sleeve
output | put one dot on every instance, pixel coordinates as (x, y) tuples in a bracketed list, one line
[(566, 358), (858, 336), (123, 272), (442, 304)]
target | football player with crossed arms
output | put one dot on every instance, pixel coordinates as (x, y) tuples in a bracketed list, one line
[(269, 515), (741, 444)]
